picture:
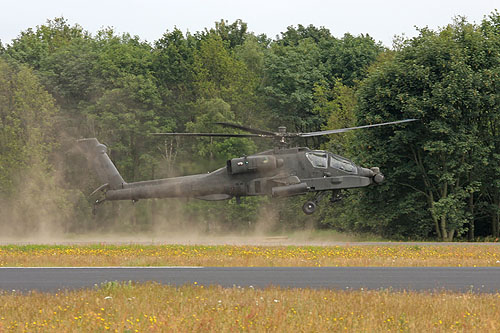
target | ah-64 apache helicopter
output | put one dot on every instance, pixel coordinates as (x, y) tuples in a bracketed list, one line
[(280, 172)]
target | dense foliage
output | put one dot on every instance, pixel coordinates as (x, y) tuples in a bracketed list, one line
[(59, 83), (445, 171)]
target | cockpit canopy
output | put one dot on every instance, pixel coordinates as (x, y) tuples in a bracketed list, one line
[(322, 159), (319, 159)]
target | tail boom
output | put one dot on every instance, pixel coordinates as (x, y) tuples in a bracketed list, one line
[(203, 186)]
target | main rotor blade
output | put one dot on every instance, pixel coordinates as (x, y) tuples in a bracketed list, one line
[(213, 135), (342, 130), (244, 128)]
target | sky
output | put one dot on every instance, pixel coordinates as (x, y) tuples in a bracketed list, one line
[(149, 19)]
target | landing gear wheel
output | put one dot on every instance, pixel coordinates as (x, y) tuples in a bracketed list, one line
[(309, 207)]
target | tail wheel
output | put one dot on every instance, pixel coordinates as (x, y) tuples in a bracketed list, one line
[(309, 207)]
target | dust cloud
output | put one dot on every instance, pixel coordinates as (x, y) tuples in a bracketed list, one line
[(36, 209), (44, 209), (41, 214), (43, 223)]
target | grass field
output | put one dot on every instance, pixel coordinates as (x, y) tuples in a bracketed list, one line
[(231, 255), (154, 308)]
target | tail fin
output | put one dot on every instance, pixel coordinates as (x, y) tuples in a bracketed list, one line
[(106, 171)]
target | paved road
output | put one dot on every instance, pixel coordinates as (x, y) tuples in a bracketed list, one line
[(481, 279)]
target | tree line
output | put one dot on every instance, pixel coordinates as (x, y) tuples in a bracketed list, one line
[(58, 83)]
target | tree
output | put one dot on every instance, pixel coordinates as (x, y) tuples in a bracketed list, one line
[(173, 68), (291, 73), (217, 150), (337, 106), (69, 73), (489, 118), (350, 57), (293, 36), (235, 34), (305, 58), (437, 78), (31, 47), (124, 116), (30, 196)]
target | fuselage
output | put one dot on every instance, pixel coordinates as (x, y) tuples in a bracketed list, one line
[(278, 172)]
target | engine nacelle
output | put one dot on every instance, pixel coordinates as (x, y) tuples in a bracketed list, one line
[(253, 164)]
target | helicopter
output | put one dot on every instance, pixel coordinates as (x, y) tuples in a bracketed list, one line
[(283, 171)]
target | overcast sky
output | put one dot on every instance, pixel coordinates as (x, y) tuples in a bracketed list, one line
[(149, 19)]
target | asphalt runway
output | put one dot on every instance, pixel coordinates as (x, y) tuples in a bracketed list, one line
[(461, 279)]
